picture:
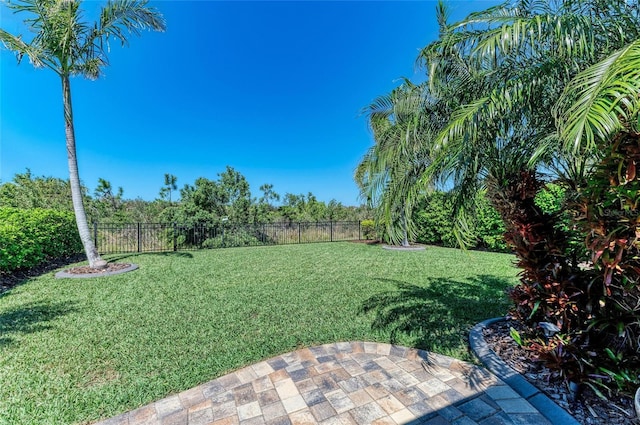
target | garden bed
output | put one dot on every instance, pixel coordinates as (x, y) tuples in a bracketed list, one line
[(587, 408)]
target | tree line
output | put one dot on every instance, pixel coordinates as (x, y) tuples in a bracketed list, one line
[(227, 198)]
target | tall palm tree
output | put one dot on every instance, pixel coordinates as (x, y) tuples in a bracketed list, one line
[(64, 43)]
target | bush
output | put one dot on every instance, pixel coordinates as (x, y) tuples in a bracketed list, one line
[(30, 237), (233, 237), (556, 201), (609, 217), (368, 228), (489, 227), (433, 218)]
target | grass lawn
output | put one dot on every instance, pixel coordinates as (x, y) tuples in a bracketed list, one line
[(77, 350)]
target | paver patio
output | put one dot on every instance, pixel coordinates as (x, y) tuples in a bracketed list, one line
[(345, 383)]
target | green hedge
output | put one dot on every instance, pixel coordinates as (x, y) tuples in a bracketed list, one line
[(434, 223), (30, 237)]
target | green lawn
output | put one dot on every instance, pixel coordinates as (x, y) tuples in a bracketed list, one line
[(77, 350)]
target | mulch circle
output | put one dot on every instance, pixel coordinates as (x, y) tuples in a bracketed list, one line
[(86, 271), (587, 408), (404, 248)]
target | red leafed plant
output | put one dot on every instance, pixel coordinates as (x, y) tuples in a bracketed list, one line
[(609, 214), (550, 288)]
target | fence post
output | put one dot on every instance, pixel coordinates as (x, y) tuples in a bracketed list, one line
[(359, 230), (299, 233), (95, 234), (331, 231), (175, 237), (139, 236)]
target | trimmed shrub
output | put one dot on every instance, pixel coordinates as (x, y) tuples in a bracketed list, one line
[(30, 237)]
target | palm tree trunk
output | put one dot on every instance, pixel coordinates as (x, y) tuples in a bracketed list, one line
[(405, 232), (74, 181)]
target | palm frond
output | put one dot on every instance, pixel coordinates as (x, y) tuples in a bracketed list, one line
[(600, 100), (120, 17)]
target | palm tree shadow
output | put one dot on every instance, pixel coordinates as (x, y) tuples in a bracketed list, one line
[(30, 318), (438, 313)]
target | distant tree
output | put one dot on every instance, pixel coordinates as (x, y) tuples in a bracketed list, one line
[(268, 194), (108, 204), (169, 186), (335, 211), (264, 210), (209, 201), (303, 208), (234, 194), (66, 44)]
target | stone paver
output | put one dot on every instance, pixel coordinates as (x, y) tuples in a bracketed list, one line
[(346, 383)]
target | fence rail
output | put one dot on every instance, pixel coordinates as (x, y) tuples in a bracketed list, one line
[(154, 237)]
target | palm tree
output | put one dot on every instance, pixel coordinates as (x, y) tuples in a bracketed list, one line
[(66, 44), (502, 71), (521, 57), (388, 172)]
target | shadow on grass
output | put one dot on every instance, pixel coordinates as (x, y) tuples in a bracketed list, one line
[(177, 254), (10, 280), (30, 318), (440, 312)]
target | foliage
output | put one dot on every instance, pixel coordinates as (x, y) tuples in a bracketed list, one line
[(170, 185), (433, 217), (206, 201), (558, 201), (26, 191), (435, 223), (368, 228), (233, 237), (550, 289), (609, 213), (30, 237), (389, 172), (107, 203), (551, 198), (489, 228), (242, 305), (62, 41)]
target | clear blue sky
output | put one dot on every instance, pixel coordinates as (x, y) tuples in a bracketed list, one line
[(273, 89)]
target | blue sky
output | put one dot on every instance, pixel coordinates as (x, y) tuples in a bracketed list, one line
[(273, 89)]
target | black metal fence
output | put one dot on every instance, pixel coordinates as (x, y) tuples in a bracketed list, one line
[(149, 237)]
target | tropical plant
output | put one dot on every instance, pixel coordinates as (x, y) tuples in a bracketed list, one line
[(387, 175), (523, 56), (64, 43), (609, 215)]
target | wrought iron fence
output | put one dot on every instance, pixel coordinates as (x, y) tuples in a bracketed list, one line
[(113, 238)]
